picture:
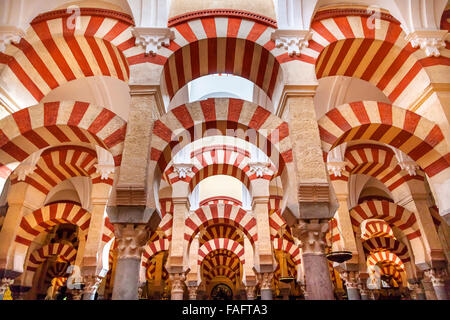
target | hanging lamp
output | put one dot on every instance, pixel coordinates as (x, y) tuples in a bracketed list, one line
[(337, 256), (285, 276)]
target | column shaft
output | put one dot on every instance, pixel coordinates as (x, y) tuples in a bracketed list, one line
[(131, 238)]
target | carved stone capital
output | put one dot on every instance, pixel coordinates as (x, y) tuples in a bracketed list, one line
[(416, 288), (182, 169), (91, 284), (265, 280), (152, 39), (293, 41), (250, 292), (260, 169), (23, 170), (336, 168), (192, 290), (104, 170), (429, 40), (131, 239), (311, 234), (437, 276), (351, 279), (176, 281), (409, 166), (9, 35), (76, 294)]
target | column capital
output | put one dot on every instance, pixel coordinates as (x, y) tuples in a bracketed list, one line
[(192, 289), (265, 279), (153, 38), (311, 234), (261, 169), (177, 280), (351, 279), (91, 284), (76, 294), (336, 168), (8, 35), (183, 169), (130, 239), (250, 292), (431, 41), (293, 41), (437, 276)]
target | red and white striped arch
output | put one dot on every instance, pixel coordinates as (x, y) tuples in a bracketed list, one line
[(221, 243), (45, 218), (221, 262), (378, 162), (220, 200), (389, 244), (108, 231), (152, 248), (64, 251), (61, 163), (221, 230), (166, 205), (56, 123), (376, 228), (276, 221), (220, 214), (383, 257), (416, 136), (289, 247), (220, 115), (222, 41), (390, 212), (218, 160), (53, 52), (344, 44)]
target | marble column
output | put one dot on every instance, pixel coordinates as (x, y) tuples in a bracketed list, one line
[(417, 290), (315, 264), (265, 280), (250, 291), (176, 286), (91, 284), (192, 292), (437, 277), (352, 285), (130, 241), (77, 294)]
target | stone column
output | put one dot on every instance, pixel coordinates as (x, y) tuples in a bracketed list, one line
[(176, 262), (363, 290), (130, 241), (91, 284), (192, 289), (77, 294), (264, 260), (176, 286), (317, 275), (265, 279), (437, 277), (352, 285), (250, 291), (417, 290)]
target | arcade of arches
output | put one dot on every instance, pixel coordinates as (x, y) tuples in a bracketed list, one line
[(229, 149)]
